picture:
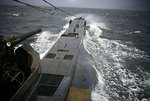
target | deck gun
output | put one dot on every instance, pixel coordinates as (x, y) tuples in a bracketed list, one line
[(14, 63), (7, 45)]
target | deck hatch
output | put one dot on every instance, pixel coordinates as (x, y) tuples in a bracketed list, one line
[(71, 35), (46, 90), (68, 57), (51, 55), (49, 79), (49, 84), (62, 50)]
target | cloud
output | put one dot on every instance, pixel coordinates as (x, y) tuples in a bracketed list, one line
[(71, 0)]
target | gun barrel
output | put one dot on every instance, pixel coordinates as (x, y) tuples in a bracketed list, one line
[(21, 38)]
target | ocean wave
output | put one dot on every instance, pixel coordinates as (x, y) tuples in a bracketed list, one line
[(135, 32), (13, 14), (45, 40), (114, 60)]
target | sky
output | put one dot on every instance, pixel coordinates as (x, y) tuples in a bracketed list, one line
[(104, 4)]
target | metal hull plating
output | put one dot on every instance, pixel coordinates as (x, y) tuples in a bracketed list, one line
[(59, 64)]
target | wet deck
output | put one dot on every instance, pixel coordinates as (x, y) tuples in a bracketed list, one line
[(76, 94), (59, 65)]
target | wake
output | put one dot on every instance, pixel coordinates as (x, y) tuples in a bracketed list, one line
[(112, 59), (119, 76)]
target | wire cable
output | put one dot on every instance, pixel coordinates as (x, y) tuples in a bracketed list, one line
[(35, 7), (48, 11), (57, 8)]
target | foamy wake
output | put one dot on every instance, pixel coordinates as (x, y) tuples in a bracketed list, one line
[(116, 82), (45, 40), (13, 14)]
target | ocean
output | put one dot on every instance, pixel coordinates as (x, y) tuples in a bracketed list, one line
[(117, 41)]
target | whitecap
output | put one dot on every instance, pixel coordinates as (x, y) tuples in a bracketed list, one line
[(16, 14), (45, 40), (108, 57)]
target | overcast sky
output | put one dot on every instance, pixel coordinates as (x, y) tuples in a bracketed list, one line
[(105, 4)]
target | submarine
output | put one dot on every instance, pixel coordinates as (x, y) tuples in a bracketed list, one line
[(63, 71), (63, 74)]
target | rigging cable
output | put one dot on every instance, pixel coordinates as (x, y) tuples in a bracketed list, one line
[(45, 10), (35, 7), (57, 8)]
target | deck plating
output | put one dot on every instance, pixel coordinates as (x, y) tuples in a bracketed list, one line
[(58, 65)]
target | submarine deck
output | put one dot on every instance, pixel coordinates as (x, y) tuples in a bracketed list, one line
[(60, 63)]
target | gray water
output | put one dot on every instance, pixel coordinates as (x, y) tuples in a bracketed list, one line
[(117, 41)]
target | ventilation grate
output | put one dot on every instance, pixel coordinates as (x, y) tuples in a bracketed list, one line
[(62, 50), (49, 79), (50, 55), (49, 84), (68, 57), (46, 90)]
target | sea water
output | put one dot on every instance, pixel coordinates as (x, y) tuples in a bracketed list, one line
[(117, 41)]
